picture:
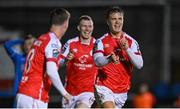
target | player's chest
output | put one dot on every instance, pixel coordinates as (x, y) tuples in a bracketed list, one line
[(82, 53)]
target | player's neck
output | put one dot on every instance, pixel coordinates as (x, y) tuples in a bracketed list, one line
[(117, 35), (85, 41), (57, 31)]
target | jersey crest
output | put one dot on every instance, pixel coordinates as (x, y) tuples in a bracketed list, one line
[(83, 58), (55, 53)]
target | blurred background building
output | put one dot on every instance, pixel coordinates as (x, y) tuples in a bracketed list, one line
[(155, 24)]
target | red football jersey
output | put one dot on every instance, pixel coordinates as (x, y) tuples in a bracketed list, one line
[(35, 81), (81, 70), (115, 76)]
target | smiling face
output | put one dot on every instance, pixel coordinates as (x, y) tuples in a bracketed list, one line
[(115, 22), (85, 28)]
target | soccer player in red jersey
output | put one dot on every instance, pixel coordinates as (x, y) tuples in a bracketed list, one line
[(80, 67), (116, 53), (41, 67)]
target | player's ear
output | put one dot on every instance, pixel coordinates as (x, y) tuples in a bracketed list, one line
[(78, 28), (107, 22)]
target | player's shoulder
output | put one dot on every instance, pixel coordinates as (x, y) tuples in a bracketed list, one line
[(70, 42), (52, 39), (49, 36), (127, 36), (73, 40), (44, 37), (103, 36), (93, 40), (49, 39)]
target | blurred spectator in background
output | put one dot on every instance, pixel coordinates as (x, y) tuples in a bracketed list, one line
[(81, 70), (17, 57), (177, 102), (144, 98)]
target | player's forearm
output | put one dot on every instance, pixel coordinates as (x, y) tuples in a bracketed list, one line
[(135, 59), (101, 60), (54, 77)]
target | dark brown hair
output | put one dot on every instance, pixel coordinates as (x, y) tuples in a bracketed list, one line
[(114, 9), (58, 16), (28, 36)]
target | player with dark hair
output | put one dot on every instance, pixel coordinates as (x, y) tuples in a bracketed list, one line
[(41, 66)]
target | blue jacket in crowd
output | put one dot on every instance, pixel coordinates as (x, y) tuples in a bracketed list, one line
[(18, 60)]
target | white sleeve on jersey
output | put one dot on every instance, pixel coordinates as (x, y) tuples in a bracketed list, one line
[(99, 58), (64, 52), (54, 77), (136, 59), (65, 49), (52, 50), (101, 61)]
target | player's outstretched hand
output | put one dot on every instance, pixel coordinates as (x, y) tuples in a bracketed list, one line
[(70, 56), (68, 98)]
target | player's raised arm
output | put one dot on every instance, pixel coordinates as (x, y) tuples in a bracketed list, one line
[(135, 55)]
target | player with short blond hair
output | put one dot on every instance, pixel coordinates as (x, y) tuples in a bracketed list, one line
[(80, 68)]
